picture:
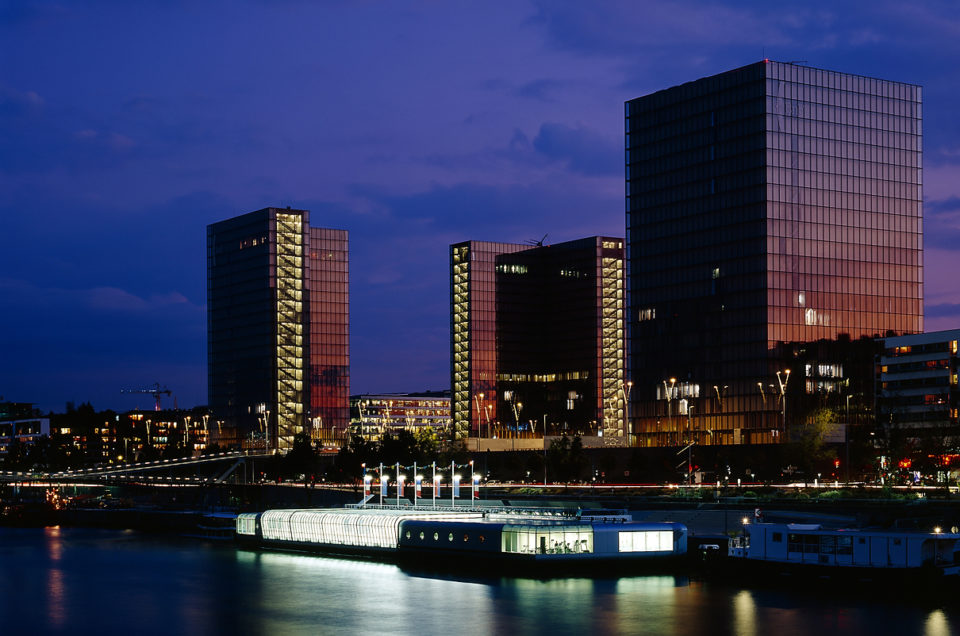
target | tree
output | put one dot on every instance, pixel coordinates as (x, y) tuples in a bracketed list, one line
[(812, 452), (566, 460), (301, 459)]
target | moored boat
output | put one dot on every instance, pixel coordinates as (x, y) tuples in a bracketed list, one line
[(540, 540), (810, 549)]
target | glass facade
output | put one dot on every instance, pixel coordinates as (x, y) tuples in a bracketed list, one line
[(473, 345), (773, 203), (538, 338), (329, 334), (278, 360)]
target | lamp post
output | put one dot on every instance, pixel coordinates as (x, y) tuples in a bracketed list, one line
[(669, 391), (516, 431), (846, 442), (626, 410), (782, 381), (478, 399)]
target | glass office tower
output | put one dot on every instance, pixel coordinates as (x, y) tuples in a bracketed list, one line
[(277, 321), (538, 338), (773, 203), (473, 337)]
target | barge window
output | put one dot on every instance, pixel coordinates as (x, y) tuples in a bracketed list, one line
[(646, 541), (408, 534), (828, 544), (436, 536), (421, 536), (450, 537), (778, 537), (524, 539), (795, 543), (844, 545), (247, 523)]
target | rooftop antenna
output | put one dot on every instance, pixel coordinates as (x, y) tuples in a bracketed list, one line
[(535, 242)]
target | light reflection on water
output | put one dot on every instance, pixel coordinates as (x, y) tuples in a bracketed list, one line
[(70, 580)]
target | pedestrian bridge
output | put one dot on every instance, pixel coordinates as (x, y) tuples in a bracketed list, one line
[(142, 471)]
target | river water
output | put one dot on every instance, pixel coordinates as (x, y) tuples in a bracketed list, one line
[(83, 581)]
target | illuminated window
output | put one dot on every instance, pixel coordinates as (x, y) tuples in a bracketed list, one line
[(646, 541)]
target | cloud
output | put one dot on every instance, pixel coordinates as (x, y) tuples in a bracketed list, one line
[(584, 150), (950, 204), (98, 300), (942, 223), (943, 309), (14, 103), (542, 89), (86, 343)]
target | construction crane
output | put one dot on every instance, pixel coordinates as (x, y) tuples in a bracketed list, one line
[(156, 392)]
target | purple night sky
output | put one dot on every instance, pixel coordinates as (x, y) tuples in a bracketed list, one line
[(127, 127)]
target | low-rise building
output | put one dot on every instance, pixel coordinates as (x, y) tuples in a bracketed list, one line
[(918, 397), (374, 414), (21, 422)]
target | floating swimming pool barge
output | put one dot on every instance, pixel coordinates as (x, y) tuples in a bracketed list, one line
[(540, 538)]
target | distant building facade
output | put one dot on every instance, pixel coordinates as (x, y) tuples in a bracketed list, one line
[(770, 204), (537, 338), (918, 398), (278, 327), (373, 414), (21, 423)]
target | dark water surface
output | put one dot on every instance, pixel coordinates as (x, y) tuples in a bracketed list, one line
[(81, 581)]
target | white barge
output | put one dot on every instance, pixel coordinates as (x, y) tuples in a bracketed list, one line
[(430, 537), (789, 548)]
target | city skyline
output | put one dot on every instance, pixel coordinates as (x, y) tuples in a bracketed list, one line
[(128, 129)]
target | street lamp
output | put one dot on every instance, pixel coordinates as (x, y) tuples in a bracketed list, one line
[(720, 391), (669, 392), (782, 381), (516, 430), (626, 410), (846, 441), (478, 399)]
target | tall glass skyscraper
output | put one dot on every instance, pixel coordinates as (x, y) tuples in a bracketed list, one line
[(772, 203), (278, 328), (537, 338)]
